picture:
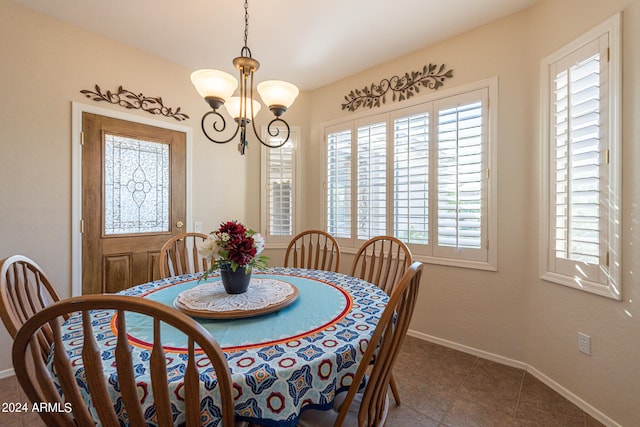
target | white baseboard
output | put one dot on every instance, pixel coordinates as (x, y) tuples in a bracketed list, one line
[(471, 350), (558, 388), (586, 407), (7, 373)]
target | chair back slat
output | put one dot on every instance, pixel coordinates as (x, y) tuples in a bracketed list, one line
[(30, 281), (199, 263), (176, 262), (47, 390), (315, 253), (159, 378), (126, 377), (39, 383), (312, 253), (382, 261), (34, 293), (386, 341), (314, 249), (301, 252), (324, 254), (179, 255), (192, 389), (18, 300), (67, 384), (92, 360), (394, 265)]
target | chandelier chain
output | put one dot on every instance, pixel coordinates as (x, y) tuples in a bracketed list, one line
[(246, 22)]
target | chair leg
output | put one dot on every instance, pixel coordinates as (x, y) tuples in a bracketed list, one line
[(394, 389)]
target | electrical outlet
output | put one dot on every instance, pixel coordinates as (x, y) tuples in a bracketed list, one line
[(584, 343), (197, 227)]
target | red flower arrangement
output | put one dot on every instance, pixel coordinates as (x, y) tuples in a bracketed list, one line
[(232, 246)]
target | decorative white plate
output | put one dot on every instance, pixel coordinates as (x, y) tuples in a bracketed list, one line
[(210, 300)]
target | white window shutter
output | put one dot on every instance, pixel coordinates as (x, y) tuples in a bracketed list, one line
[(280, 190), (577, 160), (339, 183), (581, 211), (279, 183), (461, 177), (411, 178), (371, 180)]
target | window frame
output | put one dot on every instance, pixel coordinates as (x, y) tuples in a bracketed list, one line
[(426, 252), (608, 282), (280, 241)]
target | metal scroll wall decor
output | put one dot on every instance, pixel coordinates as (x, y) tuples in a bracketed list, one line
[(127, 99), (431, 76)]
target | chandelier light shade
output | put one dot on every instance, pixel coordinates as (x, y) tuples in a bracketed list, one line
[(214, 86), (217, 88), (234, 107), (278, 95)]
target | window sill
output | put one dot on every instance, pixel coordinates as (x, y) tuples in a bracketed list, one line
[(605, 290), (449, 262)]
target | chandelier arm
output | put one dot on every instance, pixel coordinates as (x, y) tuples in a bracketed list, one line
[(215, 127), (274, 131)]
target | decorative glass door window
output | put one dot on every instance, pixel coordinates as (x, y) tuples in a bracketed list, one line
[(136, 186)]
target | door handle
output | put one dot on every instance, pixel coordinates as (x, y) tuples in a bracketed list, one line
[(179, 224)]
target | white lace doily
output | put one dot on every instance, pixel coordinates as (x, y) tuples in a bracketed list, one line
[(212, 296)]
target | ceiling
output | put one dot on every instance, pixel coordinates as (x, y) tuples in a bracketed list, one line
[(308, 43)]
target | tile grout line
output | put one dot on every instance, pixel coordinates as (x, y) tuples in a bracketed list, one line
[(450, 405), (515, 412)]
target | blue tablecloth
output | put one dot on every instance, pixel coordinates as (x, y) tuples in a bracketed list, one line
[(281, 363)]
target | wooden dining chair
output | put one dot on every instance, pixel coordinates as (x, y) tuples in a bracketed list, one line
[(369, 407), (36, 379), (24, 291), (315, 249), (179, 255), (382, 260)]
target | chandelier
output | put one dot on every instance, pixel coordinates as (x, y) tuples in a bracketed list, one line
[(216, 87)]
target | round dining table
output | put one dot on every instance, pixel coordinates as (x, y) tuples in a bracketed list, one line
[(283, 362)]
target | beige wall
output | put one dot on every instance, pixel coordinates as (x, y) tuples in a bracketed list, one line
[(510, 313), (44, 65)]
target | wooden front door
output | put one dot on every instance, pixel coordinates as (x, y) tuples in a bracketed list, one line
[(133, 200)]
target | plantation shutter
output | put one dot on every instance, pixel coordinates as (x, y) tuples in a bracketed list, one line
[(372, 180), (280, 163), (461, 172), (419, 173), (339, 183), (411, 178), (578, 162)]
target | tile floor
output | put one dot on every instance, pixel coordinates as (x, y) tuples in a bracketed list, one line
[(439, 387)]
